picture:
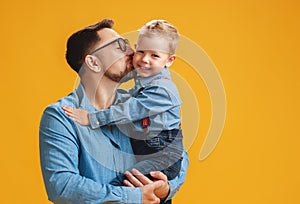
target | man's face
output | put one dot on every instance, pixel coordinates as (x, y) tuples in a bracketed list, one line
[(115, 62)]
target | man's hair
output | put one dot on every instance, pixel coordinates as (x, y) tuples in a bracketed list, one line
[(81, 42), (162, 29)]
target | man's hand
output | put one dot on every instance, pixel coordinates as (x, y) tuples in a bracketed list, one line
[(136, 179), (148, 193), (78, 115), (164, 190)]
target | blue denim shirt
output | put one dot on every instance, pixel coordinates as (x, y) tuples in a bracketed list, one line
[(155, 97), (78, 162)]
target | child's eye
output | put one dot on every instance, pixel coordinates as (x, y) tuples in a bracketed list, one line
[(155, 55), (140, 51)]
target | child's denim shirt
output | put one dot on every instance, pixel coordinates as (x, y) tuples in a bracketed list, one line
[(155, 97)]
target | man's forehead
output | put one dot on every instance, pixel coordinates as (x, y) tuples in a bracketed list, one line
[(106, 35)]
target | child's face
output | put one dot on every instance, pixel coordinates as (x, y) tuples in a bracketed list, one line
[(151, 56)]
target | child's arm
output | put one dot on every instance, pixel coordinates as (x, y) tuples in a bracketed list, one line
[(78, 115), (151, 101)]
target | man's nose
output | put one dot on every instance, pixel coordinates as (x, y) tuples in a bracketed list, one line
[(129, 51)]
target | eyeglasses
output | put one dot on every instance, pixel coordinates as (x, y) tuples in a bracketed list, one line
[(123, 43)]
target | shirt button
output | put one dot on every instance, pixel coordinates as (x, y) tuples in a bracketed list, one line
[(97, 123)]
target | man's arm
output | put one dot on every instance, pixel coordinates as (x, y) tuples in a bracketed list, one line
[(177, 182), (59, 155), (151, 101)]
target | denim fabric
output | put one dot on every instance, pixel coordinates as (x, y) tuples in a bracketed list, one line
[(161, 153), (167, 202), (155, 97), (78, 162)]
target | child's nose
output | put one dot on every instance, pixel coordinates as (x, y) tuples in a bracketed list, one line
[(145, 59)]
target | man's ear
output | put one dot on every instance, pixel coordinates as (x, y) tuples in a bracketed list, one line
[(93, 63), (170, 60)]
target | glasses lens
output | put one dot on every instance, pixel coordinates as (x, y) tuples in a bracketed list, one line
[(123, 44)]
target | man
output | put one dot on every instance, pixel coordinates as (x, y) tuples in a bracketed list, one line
[(78, 162)]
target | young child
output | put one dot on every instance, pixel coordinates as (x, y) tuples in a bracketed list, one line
[(151, 116)]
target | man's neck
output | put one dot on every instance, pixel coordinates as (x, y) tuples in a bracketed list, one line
[(101, 94)]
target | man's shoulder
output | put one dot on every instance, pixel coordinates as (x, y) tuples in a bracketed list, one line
[(56, 107)]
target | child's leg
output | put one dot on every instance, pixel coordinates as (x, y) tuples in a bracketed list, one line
[(161, 153), (174, 147), (164, 154), (118, 181)]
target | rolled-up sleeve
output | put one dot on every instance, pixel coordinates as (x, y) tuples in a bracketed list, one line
[(177, 182)]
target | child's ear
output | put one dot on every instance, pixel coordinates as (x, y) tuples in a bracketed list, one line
[(171, 60), (93, 63)]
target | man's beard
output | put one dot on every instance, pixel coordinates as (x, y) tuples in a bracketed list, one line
[(117, 77)]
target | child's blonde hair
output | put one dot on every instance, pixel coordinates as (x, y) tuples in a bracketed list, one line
[(162, 29)]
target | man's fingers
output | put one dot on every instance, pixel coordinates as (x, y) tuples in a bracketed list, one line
[(127, 183), (133, 180), (148, 191), (156, 200), (142, 178), (157, 184), (158, 175)]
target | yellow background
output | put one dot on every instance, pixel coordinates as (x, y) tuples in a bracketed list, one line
[(255, 46)]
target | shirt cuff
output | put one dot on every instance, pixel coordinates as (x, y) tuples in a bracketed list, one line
[(132, 195), (95, 123), (173, 190)]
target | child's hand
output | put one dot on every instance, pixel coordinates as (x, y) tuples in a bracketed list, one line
[(78, 115)]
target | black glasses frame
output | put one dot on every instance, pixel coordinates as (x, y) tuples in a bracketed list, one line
[(123, 43)]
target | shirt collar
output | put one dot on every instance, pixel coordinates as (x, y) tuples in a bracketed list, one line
[(84, 103), (144, 81)]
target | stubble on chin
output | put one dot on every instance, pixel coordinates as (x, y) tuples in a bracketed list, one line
[(118, 77)]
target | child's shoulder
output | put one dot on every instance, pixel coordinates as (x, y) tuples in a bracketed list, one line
[(166, 84), (163, 81)]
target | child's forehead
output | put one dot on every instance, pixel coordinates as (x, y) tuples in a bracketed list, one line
[(153, 43)]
